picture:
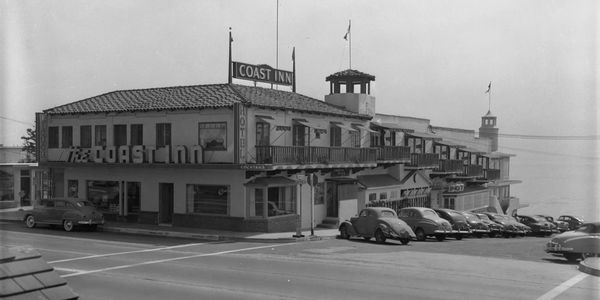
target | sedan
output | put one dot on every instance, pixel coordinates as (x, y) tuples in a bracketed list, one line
[(425, 222), (573, 221), (561, 226), (478, 227), (460, 226), (580, 243), (379, 222), (539, 225), (67, 212)]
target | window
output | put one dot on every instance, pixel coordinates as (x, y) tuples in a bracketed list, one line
[(137, 134), (281, 201), (335, 136), (213, 136), (449, 203), (104, 195), (354, 139), (300, 133), (163, 134), (395, 194), (119, 135), (208, 199), (85, 136), (382, 195), (73, 186), (133, 197), (7, 184), (67, 136), (375, 139), (53, 137), (372, 196), (319, 193), (263, 134), (100, 135), (259, 203)]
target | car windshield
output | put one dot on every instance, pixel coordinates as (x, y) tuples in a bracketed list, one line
[(501, 218), (471, 217), (387, 214), (484, 217), (539, 219), (430, 214), (82, 203)]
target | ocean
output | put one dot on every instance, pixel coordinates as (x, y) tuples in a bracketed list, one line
[(558, 176)]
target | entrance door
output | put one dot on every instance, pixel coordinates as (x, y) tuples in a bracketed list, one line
[(332, 199), (165, 203)]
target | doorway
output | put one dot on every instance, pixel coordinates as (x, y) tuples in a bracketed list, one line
[(332, 199), (165, 203)]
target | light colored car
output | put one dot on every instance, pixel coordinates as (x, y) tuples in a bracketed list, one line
[(573, 221), (425, 222), (580, 243), (379, 222), (67, 212)]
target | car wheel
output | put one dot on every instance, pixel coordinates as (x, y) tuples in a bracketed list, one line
[(478, 235), (572, 257), (30, 221), (420, 234), (344, 233), (379, 236), (404, 241), (458, 237), (93, 227), (68, 225), (491, 234), (440, 237)]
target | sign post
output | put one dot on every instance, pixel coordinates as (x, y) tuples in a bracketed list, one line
[(301, 181)]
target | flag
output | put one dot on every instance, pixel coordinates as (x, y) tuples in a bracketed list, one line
[(294, 54), (347, 32), (489, 88)]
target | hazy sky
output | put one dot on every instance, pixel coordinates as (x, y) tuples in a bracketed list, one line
[(431, 59)]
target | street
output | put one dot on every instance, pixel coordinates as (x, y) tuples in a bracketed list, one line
[(102, 265)]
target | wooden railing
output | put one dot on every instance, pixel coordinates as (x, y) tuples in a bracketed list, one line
[(492, 174), (313, 155), (473, 170), (451, 165), (395, 153), (424, 160)]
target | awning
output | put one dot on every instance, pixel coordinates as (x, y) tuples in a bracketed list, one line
[(271, 181), (362, 127), (451, 144), (391, 126), (271, 121), (424, 135), (310, 124), (343, 126), (467, 149), (379, 180)]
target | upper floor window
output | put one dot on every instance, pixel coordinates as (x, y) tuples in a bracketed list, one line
[(100, 135), (85, 136), (213, 136), (137, 134), (300, 135), (119, 135), (53, 137), (335, 136), (375, 139), (163, 134), (263, 134), (354, 138), (67, 136)]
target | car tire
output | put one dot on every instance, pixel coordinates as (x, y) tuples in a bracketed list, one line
[(68, 225), (440, 237), (478, 235), (492, 234), (420, 234), (93, 227), (572, 257), (30, 221), (458, 237), (344, 233), (379, 236), (404, 241)]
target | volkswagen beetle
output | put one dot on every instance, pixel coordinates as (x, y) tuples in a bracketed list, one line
[(67, 212), (579, 243), (379, 222)]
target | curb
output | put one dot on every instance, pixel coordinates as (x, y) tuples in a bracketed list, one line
[(587, 266)]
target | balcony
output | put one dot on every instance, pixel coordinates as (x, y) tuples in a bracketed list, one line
[(300, 155), (450, 166), (473, 170), (394, 153), (492, 174), (424, 160)]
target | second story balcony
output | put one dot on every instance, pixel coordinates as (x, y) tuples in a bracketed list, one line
[(473, 170), (394, 154), (314, 155), (424, 160), (492, 174), (450, 166)]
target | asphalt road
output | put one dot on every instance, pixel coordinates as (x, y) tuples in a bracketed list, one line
[(100, 265)]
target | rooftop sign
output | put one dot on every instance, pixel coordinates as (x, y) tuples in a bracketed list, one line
[(262, 73)]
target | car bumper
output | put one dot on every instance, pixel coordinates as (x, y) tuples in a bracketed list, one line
[(557, 248), (90, 222)]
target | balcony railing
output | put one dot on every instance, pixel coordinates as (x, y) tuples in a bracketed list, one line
[(473, 170), (451, 165), (394, 153), (313, 155), (492, 174), (424, 160)]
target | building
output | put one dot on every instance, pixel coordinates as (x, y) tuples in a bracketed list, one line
[(247, 158), (17, 178)]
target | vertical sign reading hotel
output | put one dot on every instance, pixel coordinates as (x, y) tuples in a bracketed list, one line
[(241, 132)]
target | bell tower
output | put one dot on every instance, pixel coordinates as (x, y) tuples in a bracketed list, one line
[(489, 130), (351, 82)]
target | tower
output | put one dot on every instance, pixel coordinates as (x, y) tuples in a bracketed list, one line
[(489, 130), (349, 80)]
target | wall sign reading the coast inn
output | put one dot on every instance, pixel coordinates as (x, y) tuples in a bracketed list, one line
[(263, 73), (138, 154)]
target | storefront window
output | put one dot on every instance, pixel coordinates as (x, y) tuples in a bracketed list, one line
[(73, 187), (7, 182), (281, 201), (25, 188), (133, 197), (208, 199), (104, 195), (320, 193), (259, 203)]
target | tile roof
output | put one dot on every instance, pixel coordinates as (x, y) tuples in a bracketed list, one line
[(350, 73), (199, 97)]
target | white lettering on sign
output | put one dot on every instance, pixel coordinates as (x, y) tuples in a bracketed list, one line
[(136, 154), (262, 73)]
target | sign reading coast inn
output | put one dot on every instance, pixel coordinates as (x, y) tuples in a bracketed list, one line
[(263, 73), (137, 154)]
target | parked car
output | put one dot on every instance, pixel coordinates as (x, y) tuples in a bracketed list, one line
[(539, 225), (561, 226), (573, 221), (478, 227), (580, 243), (510, 229), (68, 212), (460, 226), (379, 222), (495, 228), (523, 229), (425, 222)]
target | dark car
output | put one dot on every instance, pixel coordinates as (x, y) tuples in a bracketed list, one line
[(561, 226), (460, 226), (425, 222), (573, 221), (495, 228), (67, 212), (379, 222), (510, 229), (539, 225), (580, 243), (478, 227)]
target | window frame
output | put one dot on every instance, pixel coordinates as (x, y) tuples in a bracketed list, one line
[(220, 135), (53, 137)]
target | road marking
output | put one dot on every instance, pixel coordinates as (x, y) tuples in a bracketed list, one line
[(563, 287), (131, 244), (173, 259), (125, 252)]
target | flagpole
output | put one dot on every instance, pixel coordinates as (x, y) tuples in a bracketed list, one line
[(294, 70), (350, 43), (229, 64), (277, 42)]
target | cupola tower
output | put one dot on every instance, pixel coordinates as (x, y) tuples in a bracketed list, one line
[(489, 130), (351, 90)]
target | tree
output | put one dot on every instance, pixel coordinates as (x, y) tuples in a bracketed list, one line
[(29, 145)]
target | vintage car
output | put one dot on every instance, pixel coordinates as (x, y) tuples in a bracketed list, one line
[(379, 222), (524, 229), (561, 226), (67, 212), (573, 221), (478, 227), (495, 228), (425, 222), (510, 228), (539, 225), (460, 226), (580, 243)]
